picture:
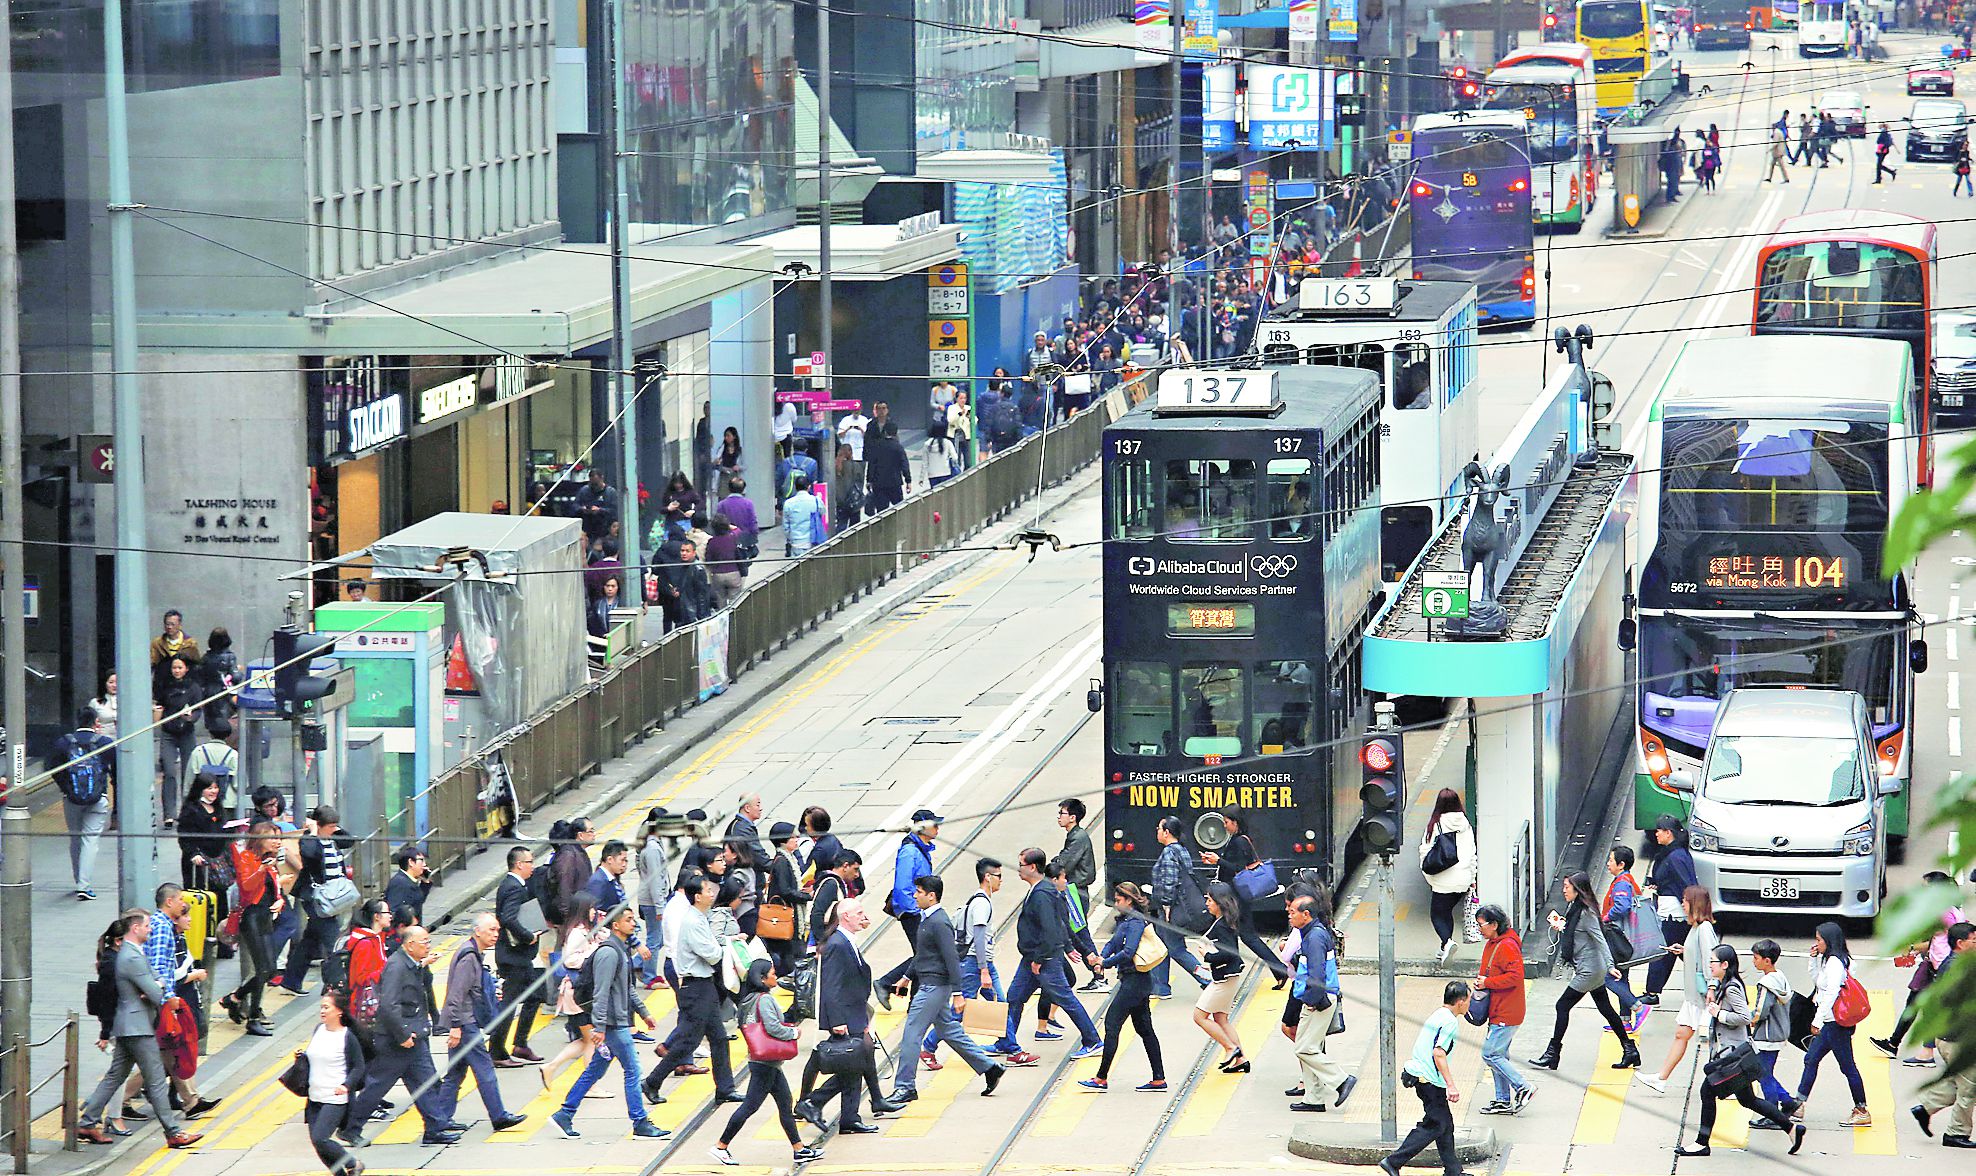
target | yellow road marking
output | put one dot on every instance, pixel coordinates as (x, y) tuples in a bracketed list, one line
[(1605, 1095), (1256, 1030), (659, 1003), (937, 1092), (1876, 1070)]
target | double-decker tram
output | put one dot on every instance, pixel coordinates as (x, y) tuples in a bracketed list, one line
[(1865, 273), (1419, 338), (1240, 572), (1770, 470)]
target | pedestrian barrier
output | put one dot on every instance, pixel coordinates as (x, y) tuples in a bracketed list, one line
[(14, 1065), (642, 691)]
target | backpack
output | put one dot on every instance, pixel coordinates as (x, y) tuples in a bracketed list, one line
[(99, 997), (1004, 421), (583, 981), (84, 781), (963, 937), (336, 968), (1190, 909)]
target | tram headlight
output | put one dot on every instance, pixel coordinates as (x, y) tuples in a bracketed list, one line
[(1858, 841), (1209, 833), (1702, 837), (1889, 753)]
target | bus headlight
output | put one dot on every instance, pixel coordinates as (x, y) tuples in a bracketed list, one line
[(1654, 756), (1858, 841), (1702, 837), (1889, 753)]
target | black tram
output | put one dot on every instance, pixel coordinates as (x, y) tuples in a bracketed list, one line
[(1241, 568)]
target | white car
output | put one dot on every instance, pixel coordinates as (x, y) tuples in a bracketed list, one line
[(1954, 369)]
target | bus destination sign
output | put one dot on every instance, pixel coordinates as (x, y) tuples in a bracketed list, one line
[(1758, 572)]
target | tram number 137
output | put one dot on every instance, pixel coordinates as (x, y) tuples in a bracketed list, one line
[(1199, 390)]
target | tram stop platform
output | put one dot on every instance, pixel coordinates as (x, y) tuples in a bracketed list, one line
[(1546, 685)]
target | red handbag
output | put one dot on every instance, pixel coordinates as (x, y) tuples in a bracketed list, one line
[(1851, 1007), (763, 1047)]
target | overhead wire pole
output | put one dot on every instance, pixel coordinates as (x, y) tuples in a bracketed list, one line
[(1173, 17), (826, 340), (16, 859), (137, 857), (624, 391)]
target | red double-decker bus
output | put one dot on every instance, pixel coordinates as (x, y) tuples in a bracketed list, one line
[(1868, 273)]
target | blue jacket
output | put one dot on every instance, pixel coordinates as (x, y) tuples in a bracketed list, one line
[(1315, 959), (915, 861)]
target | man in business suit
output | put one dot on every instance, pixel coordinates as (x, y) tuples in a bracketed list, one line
[(470, 1009), (937, 1004), (514, 961), (405, 1012), (843, 1008), (134, 1040)]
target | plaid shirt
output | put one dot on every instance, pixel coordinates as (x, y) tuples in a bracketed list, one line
[(161, 951), (1173, 861)]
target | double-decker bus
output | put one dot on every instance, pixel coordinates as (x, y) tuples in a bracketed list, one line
[(1723, 24), (1470, 204), (1563, 135), (1821, 28), (1769, 472), (1860, 272), (1241, 568), (1419, 338), (1620, 35)]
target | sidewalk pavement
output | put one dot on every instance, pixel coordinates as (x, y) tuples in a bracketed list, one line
[(66, 929)]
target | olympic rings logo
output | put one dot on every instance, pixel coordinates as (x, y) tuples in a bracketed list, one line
[(1272, 567)]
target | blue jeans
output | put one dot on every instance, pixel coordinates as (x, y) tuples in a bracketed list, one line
[(617, 1047), (1837, 1040), (1051, 980), (1623, 993), (1773, 1090), (654, 938), (931, 1015), (472, 1055), (1176, 952), (1495, 1055), (970, 988)]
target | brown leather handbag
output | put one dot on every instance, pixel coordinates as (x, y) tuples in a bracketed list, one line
[(775, 919)]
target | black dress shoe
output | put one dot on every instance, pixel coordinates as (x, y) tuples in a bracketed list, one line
[(1922, 1117), (809, 1114), (1345, 1089), (993, 1076), (1308, 1106), (1958, 1141), (886, 1106), (857, 1129), (440, 1138), (504, 1124)]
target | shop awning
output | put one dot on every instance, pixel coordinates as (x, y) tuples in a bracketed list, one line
[(552, 301), (1099, 46), (852, 174), (867, 253)]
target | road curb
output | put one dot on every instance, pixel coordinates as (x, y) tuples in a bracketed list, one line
[(1360, 1145)]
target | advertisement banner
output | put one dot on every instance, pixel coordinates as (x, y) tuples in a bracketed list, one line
[(1303, 22), (1198, 36), (712, 633), (1343, 20), (1289, 104), (1260, 237), (1218, 109), (1154, 18)]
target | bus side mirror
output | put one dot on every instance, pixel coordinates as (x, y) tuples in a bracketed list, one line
[(1094, 698), (1681, 780), (1917, 656), (1629, 634)]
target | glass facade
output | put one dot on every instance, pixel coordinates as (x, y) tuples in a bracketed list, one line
[(966, 82), (168, 44), (711, 109)]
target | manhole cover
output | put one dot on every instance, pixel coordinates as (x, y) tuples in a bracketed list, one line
[(915, 721)]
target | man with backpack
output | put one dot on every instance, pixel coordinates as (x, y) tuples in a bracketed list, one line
[(603, 986), (1180, 905), (85, 768), (216, 757)]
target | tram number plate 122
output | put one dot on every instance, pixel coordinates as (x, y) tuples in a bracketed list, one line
[(1780, 888)]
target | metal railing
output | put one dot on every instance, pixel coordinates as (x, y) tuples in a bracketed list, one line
[(14, 1061), (641, 692)]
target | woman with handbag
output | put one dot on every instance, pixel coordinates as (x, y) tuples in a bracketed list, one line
[(1224, 965), (1582, 955), (328, 1069), (1499, 990), (1447, 859), (1831, 977), (1927, 960), (1132, 997), (1236, 857), (1732, 1063), (261, 902), (771, 1042), (1672, 873), (1695, 952)]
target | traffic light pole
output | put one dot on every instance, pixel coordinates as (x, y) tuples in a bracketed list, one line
[(1389, 1029)]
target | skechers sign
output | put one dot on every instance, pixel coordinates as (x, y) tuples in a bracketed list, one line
[(370, 425), (448, 398), (1289, 105)]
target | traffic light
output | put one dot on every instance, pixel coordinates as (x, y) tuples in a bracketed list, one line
[(296, 690), (1382, 795)]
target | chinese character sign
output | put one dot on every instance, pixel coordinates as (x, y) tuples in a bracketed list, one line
[(1218, 109), (1199, 39), (1289, 104), (1303, 22), (1343, 20)]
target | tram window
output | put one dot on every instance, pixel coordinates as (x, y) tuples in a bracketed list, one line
[(1132, 511), (1413, 386), (1403, 531), (1370, 356), (1292, 517), (1285, 706), (1211, 499), (1142, 708), (1211, 705), (1279, 353)]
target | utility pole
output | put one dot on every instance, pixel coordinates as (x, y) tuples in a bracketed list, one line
[(1173, 16), (826, 336), (16, 877), (1385, 719), (137, 856), (623, 399)]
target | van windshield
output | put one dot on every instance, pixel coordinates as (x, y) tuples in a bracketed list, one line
[(1808, 773)]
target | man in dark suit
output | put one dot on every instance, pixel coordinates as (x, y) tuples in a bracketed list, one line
[(519, 916), (405, 1012), (843, 995), (133, 1040), (469, 1010), (938, 998), (409, 883)]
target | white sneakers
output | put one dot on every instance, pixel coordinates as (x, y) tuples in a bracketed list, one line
[(1657, 1085)]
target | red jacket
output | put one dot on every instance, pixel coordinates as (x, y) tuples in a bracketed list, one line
[(366, 957), (1502, 977)]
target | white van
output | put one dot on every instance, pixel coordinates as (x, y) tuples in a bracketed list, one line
[(1790, 811)]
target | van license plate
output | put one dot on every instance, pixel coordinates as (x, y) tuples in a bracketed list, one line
[(1952, 400), (1780, 888)]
